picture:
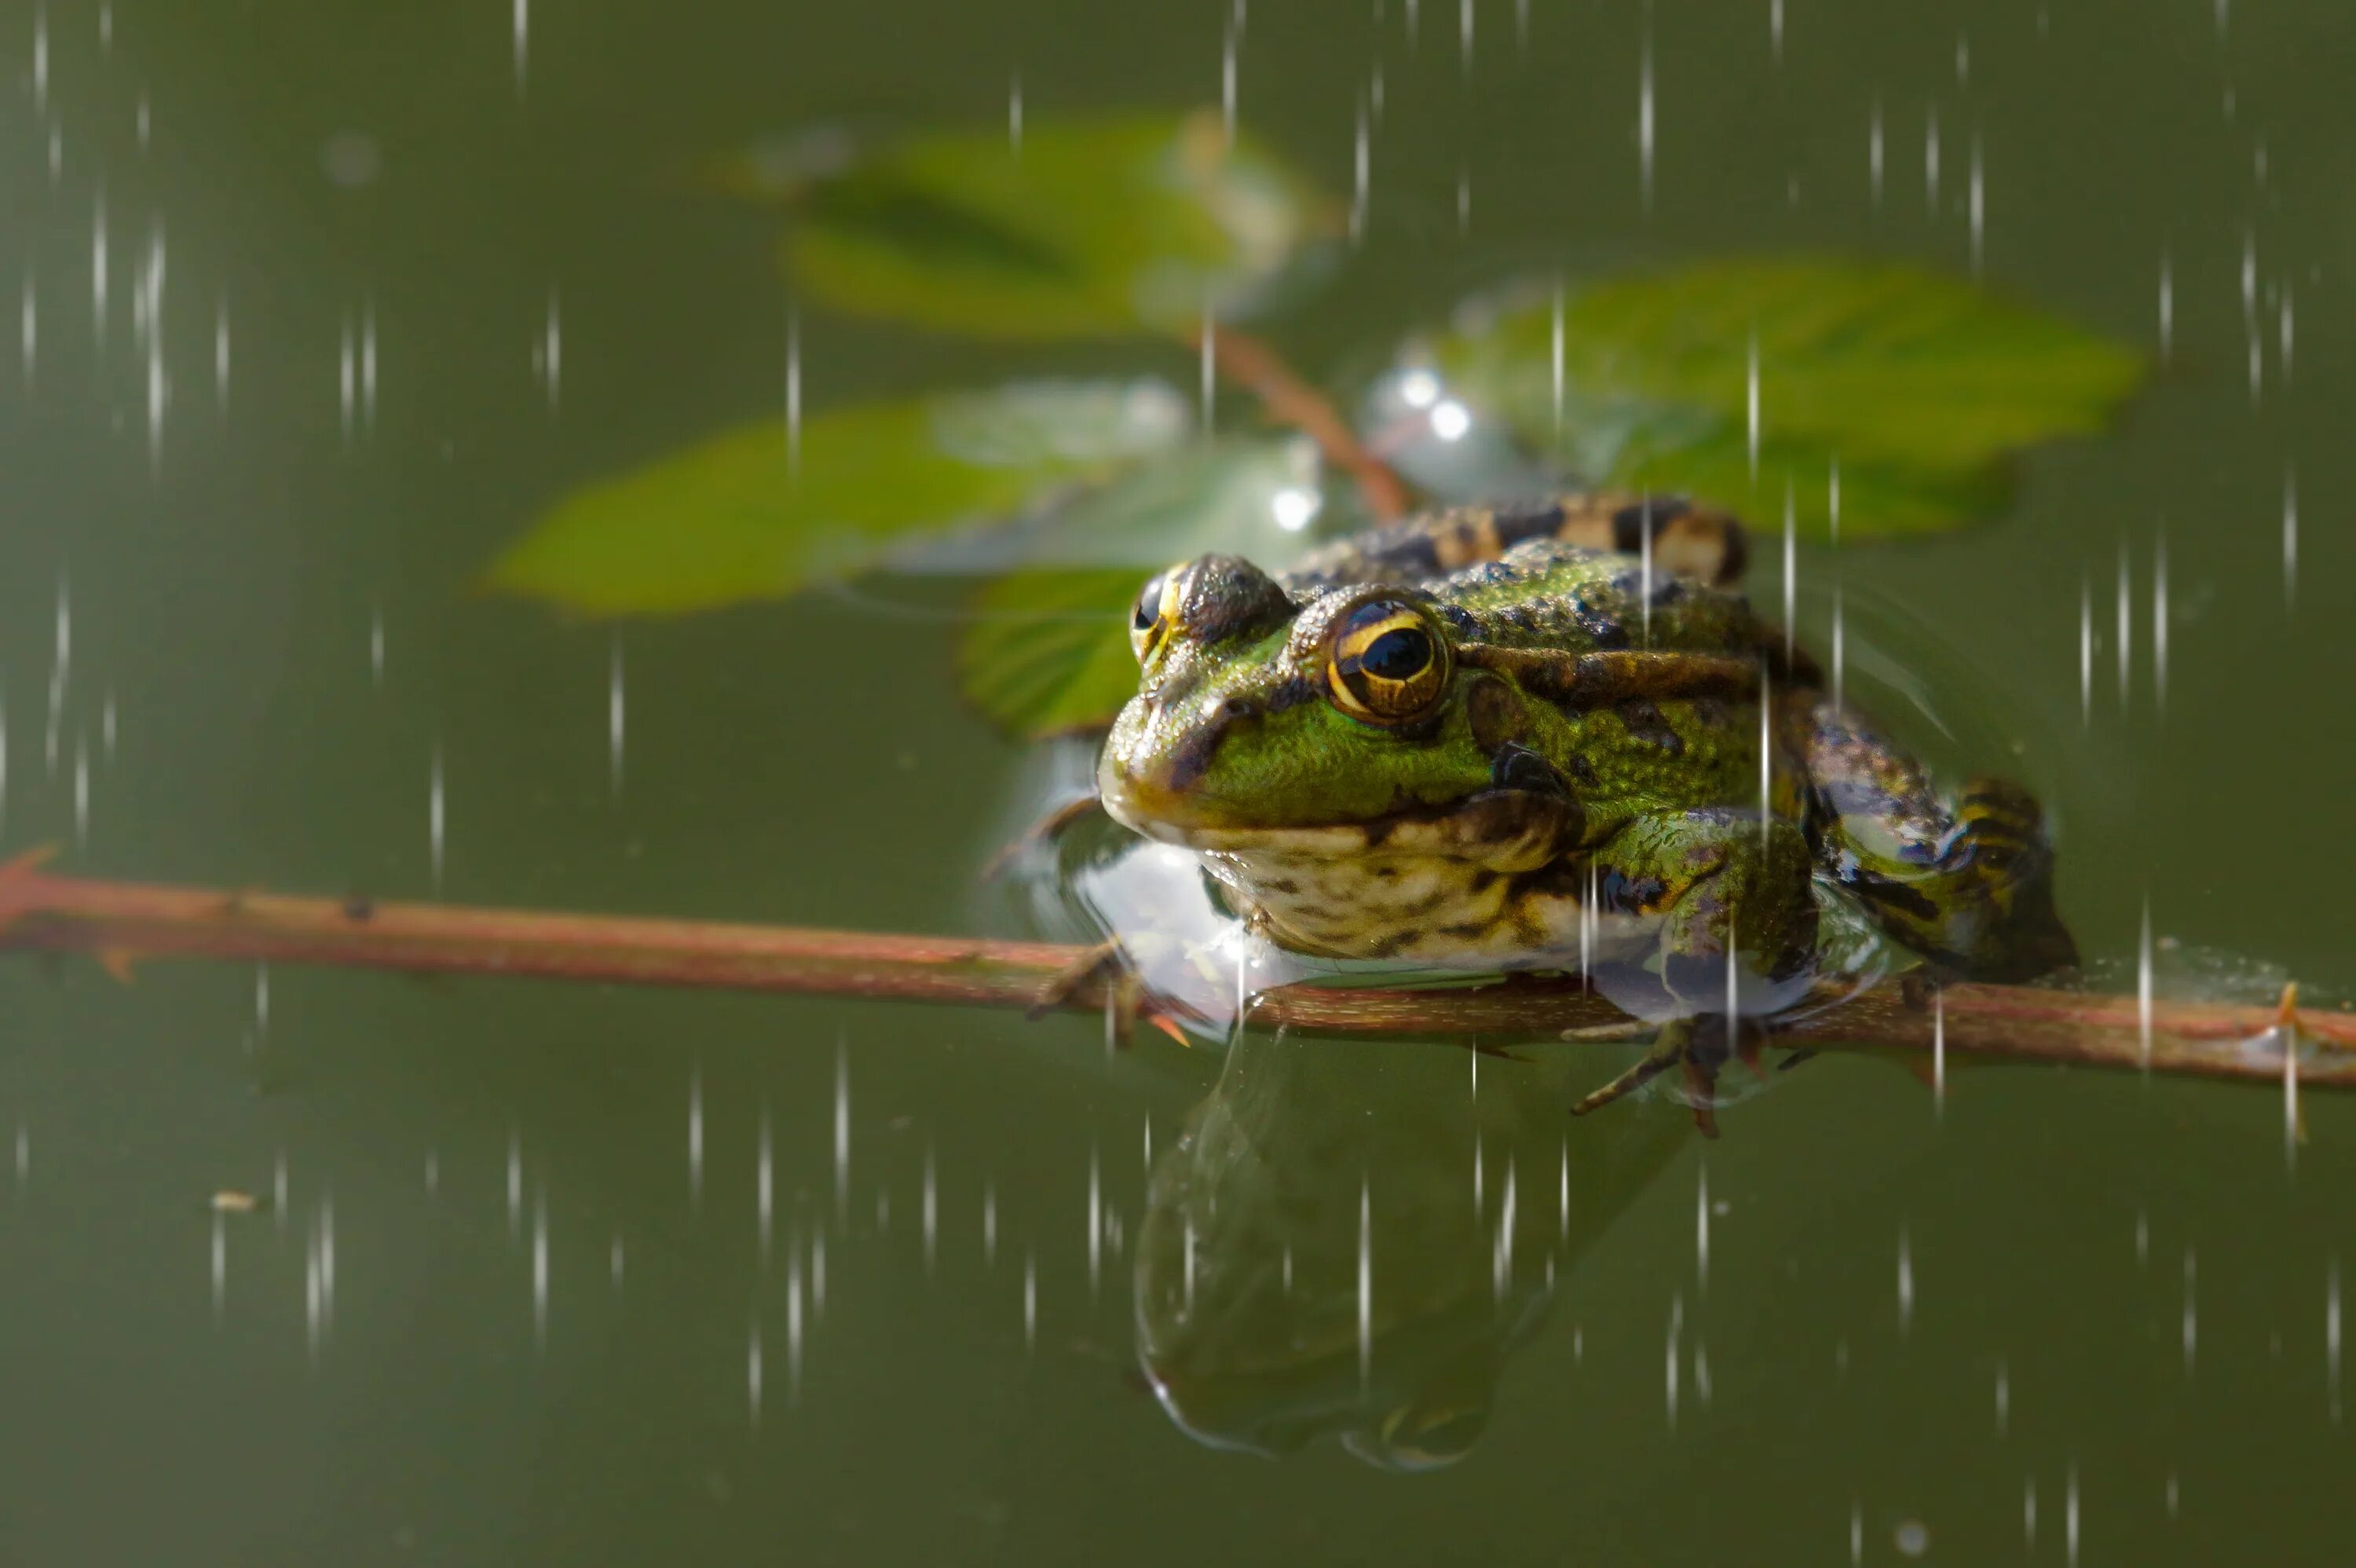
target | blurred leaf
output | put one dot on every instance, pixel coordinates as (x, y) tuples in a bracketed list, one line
[(1919, 386), (1048, 649), (732, 518), (1091, 228)]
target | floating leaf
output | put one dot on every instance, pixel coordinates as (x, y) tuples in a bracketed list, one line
[(740, 517), (1087, 229), (1048, 650), (1918, 385)]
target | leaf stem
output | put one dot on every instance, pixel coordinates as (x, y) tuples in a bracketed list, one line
[(1254, 364), (124, 922)]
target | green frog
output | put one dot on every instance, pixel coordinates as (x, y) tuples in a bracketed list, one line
[(1555, 735)]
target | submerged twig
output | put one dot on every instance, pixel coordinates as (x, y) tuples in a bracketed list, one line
[(1253, 365), (123, 922)]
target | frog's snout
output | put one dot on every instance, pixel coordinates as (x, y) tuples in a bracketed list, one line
[(1152, 770)]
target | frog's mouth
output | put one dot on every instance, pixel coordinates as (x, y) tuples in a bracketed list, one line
[(1506, 829)]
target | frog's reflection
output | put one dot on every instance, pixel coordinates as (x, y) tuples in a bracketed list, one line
[(1353, 1238)]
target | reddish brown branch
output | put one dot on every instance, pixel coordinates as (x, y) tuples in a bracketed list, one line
[(1257, 367), (124, 922)]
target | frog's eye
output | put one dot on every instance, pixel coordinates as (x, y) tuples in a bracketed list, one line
[(1151, 618), (1389, 664)]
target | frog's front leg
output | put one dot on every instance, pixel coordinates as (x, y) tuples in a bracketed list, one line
[(1737, 919)]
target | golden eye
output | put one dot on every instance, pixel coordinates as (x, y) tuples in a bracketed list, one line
[(1389, 664), (1156, 610)]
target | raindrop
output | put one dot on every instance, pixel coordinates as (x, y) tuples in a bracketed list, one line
[(2331, 1338), (2085, 650), (81, 792), (2192, 1334), (522, 41), (1931, 158), (793, 393), (1464, 33), (28, 331), (376, 647), (2070, 1515), (1775, 30), (347, 377), (793, 1321), (1701, 1229), (1839, 660), (278, 1182), (2126, 627), (932, 1211), (1913, 1539), (433, 1173), (765, 1185), (989, 1223), (220, 1266), (515, 1182), (1791, 565), (41, 60), (262, 1002), (107, 728), (435, 815), (1644, 116), (1856, 1530), (98, 265), (1669, 1371), (1096, 1223), (2003, 1398), (616, 1260), (1939, 1054), (25, 1162), (2143, 990), (1557, 346), (615, 714), (695, 1132), (841, 1126), (1978, 205), (1751, 404), (540, 1267), (1362, 167), (367, 365), (1030, 1302), (752, 1375), (2285, 331), (2029, 1510), (61, 669), (1873, 152), (2290, 537), (1365, 1282), (551, 350), (1905, 1282), (1014, 113), (2167, 306), (1228, 86), (2159, 623)]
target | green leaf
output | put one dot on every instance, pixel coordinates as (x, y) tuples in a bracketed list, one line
[(739, 517), (1090, 228), (1917, 385), (1048, 649)]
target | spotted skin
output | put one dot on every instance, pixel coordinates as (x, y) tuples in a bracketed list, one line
[(1586, 783)]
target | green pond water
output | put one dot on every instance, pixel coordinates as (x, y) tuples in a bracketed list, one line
[(517, 1299)]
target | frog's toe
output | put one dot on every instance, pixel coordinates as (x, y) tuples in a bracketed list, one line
[(1667, 1050)]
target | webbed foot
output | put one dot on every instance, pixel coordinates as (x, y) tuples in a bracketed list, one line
[(1698, 1047)]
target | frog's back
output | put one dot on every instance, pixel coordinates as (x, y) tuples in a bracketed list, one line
[(1588, 572)]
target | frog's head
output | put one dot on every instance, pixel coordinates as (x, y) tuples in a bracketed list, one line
[(1337, 724)]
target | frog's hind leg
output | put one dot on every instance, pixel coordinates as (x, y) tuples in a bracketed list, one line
[(1967, 883)]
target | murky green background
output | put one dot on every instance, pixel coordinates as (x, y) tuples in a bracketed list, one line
[(2171, 1400)]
